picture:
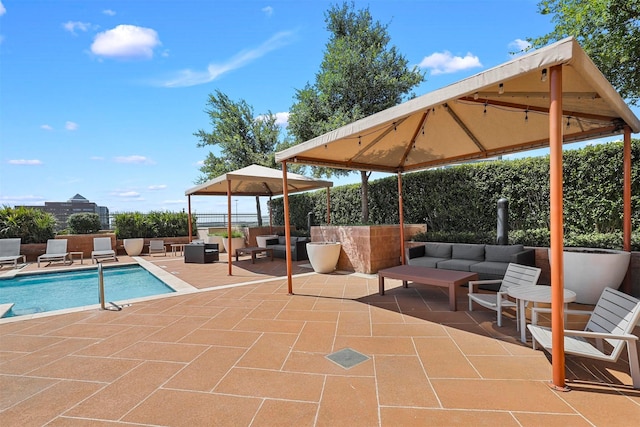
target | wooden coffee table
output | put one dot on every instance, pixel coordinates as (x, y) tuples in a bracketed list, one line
[(253, 251), (427, 276)]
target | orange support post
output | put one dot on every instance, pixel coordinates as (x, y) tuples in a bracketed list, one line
[(189, 216), (229, 240), (287, 226), (557, 267), (401, 215)]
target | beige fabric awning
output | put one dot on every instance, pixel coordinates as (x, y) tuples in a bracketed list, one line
[(499, 111)]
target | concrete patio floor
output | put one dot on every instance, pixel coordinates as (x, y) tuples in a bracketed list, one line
[(252, 355)]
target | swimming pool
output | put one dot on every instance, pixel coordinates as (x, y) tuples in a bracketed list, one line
[(38, 293)]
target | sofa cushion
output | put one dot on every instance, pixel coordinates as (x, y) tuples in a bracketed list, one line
[(457, 264), (438, 250), (501, 253), (282, 240), (490, 267), (426, 261), (467, 252)]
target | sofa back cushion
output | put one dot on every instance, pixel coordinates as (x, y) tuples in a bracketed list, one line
[(468, 251), (438, 250), (282, 240), (501, 253)]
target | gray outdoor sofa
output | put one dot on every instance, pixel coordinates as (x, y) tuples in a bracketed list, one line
[(489, 261), (298, 247)]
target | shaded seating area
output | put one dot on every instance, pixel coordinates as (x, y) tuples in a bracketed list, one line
[(10, 251), (56, 251), (102, 250), (156, 246), (201, 253), (516, 275), (612, 321)]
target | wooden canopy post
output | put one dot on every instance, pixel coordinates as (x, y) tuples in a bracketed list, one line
[(229, 242), (557, 235), (287, 226), (270, 217), (189, 217), (401, 214)]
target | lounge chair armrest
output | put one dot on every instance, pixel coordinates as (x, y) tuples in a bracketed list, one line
[(473, 283), (590, 334), (536, 310)]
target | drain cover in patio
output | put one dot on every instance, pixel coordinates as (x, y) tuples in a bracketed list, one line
[(347, 358)]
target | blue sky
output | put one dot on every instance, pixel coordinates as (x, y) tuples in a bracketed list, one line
[(102, 98)]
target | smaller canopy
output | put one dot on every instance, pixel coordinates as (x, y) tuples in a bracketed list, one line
[(256, 180)]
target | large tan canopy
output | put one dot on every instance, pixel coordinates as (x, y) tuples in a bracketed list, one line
[(256, 180), (499, 111), (548, 97)]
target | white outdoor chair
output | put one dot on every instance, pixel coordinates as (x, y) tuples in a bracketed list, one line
[(102, 250), (612, 320), (157, 247), (516, 275), (56, 251), (10, 251)]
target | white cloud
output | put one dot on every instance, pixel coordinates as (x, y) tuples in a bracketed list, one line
[(128, 194), (157, 187), (268, 10), (3, 10), (31, 162), (174, 202), (126, 42), (46, 127), (192, 78), (282, 118), (96, 158), (445, 62), (518, 46), (200, 163), (21, 200), (109, 12), (71, 126), (134, 159), (73, 26)]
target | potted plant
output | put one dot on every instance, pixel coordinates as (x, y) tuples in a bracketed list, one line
[(237, 239)]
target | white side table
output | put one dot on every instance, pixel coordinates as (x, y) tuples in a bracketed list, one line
[(535, 294)]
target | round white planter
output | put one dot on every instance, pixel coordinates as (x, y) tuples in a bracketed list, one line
[(588, 271), (133, 247), (323, 256), (262, 240), (236, 242), (216, 239)]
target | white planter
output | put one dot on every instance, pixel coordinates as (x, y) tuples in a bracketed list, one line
[(133, 247), (236, 242), (588, 271), (262, 240), (217, 239), (323, 256)]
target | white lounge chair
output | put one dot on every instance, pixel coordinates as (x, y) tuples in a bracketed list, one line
[(157, 247), (10, 251), (516, 275), (102, 250), (613, 319), (56, 251)]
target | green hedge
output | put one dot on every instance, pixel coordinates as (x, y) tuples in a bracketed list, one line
[(84, 223), (463, 199), (31, 225), (154, 224)]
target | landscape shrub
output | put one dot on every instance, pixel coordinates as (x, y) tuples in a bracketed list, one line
[(31, 225), (130, 225), (84, 223)]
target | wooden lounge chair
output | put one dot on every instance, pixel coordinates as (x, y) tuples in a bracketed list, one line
[(516, 275), (612, 320), (56, 251), (102, 250), (157, 247), (10, 251)]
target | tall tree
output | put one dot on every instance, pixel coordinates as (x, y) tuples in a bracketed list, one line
[(241, 138), (608, 30), (359, 75)]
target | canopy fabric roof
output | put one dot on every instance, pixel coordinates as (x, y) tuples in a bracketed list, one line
[(499, 111), (256, 180)]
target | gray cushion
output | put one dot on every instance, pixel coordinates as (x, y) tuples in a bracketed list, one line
[(501, 253), (438, 250), (467, 251), (490, 267), (426, 261), (457, 264), (282, 240)]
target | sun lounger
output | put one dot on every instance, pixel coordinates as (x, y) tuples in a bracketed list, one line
[(10, 252), (102, 250), (56, 251)]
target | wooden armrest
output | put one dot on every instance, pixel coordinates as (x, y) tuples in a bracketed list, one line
[(536, 310)]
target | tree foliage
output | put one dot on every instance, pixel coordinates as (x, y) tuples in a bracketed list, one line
[(31, 225), (360, 75), (608, 30), (84, 223), (241, 137)]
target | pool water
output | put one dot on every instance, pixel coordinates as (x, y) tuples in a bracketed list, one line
[(38, 293)]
